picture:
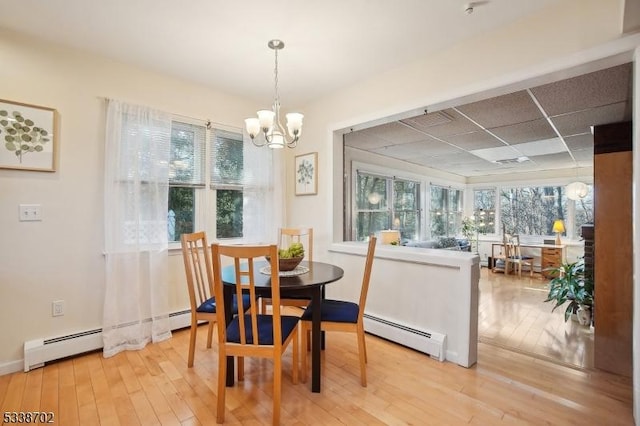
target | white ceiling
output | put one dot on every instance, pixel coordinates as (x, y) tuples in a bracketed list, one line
[(331, 44)]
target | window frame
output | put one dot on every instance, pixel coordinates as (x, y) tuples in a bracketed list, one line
[(205, 196), (390, 178)]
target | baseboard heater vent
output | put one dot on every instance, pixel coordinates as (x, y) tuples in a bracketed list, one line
[(431, 343), (39, 351)]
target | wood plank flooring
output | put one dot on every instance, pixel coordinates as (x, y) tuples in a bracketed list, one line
[(513, 315), (153, 386)]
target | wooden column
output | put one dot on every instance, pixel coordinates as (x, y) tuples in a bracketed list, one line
[(613, 248)]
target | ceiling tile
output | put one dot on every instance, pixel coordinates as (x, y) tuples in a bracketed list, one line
[(422, 148), (364, 139), (442, 123), (474, 140), (581, 122), (577, 142), (525, 132), (542, 147), (502, 110), (496, 154), (398, 133), (591, 90)]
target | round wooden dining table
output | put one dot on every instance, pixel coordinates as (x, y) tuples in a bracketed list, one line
[(309, 284)]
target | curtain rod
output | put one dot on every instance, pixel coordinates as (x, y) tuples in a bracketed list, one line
[(209, 124)]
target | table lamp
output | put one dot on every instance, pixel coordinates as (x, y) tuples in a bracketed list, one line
[(558, 228), (390, 236)]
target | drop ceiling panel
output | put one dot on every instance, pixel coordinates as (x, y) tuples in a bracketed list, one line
[(580, 142), (562, 159), (474, 140), (398, 133), (496, 154), (447, 122), (541, 147), (600, 98), (525, 132), (364, 139), (503, 110), (581, 121), (591, 90), (417, 149), (583, 155)]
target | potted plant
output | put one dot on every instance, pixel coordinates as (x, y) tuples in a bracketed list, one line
[(571, 285)]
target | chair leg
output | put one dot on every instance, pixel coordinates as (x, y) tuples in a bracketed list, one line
[(304, 361), (210, 335), (277, 389), (240, 368), (294, 360), (263, 305), (192, 342), (362, 351), (222, 385)]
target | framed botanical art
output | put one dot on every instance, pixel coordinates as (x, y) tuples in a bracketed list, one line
[(28, 137), (306, 173)]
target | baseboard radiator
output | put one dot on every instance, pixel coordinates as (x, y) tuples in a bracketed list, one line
[(431, 343), (39, 351)]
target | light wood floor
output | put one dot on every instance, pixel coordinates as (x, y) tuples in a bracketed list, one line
[(154, 386), (513, 315)]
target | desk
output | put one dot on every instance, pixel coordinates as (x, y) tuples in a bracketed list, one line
[(310, 284), (551, 256)]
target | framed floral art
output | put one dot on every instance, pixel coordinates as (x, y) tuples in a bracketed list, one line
[(306, 173), (28, 137)]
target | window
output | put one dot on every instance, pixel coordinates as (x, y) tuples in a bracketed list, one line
[(186, 174), (227, 163), (445, 211), (188, 184), (385, 202), (484, 210), (532, 210)]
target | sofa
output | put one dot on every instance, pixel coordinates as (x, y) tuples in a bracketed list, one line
[(446, 243)]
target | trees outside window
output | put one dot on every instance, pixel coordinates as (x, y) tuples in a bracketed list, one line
[(484, 210), (445, 211), (532, 210), (190, 144), (386, 202)]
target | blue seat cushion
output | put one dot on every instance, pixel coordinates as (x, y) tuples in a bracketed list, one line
[(335, 311), (209, 305), (265, 328)]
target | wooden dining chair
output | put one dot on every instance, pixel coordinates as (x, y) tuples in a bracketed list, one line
[(287, 236), (338, 315), (198, 269), (502, 256), (253, 334), (516, 257)]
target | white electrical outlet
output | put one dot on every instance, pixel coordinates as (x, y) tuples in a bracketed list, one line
[(30, 212), (57, 308)]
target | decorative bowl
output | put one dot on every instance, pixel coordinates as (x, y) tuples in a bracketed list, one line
[(288, 264)]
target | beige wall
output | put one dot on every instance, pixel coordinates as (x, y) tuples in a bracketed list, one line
[(61, 257)]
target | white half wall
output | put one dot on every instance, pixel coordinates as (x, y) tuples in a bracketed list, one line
[(425, 289)]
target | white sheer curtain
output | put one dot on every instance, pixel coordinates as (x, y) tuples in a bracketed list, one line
[(137, 147), (263, 189)]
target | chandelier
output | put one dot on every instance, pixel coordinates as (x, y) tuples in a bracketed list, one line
[(268, 121)]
